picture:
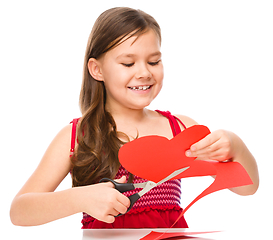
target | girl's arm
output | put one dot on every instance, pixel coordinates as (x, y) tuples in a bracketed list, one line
[(223, 145), (37, 203)]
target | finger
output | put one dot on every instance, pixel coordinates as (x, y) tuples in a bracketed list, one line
[(121, 180), (108, 215), (205, 142), (216, 155), (209, 150), (204, 152), (119, 205), (108, 219), (120, 208), (112, 210), (125, 201)]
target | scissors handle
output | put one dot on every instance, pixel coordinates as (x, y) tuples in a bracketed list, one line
[(124, 187), (121, 187)]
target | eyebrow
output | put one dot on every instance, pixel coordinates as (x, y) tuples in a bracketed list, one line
[(134, 55)]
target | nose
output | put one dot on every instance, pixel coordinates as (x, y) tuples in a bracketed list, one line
[(143, 72)]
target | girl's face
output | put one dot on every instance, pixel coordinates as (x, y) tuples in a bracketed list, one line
[(132, 72)]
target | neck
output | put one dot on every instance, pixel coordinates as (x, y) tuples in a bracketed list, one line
[(130, 115), (127, 114)]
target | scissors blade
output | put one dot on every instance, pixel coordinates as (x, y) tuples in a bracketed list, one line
[(149, 185), (173, 174)]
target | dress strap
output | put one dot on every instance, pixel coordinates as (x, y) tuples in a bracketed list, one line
[(73, 135), (173, 121), (180, 122)]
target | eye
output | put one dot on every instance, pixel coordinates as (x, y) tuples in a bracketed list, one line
[(154, 63), (128, 64)]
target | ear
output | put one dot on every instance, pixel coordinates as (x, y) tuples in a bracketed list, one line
[(94, 67)]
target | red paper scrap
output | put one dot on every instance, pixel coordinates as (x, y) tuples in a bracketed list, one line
[(159, 235)]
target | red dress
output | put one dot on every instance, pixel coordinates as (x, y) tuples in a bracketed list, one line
[(158, 208)]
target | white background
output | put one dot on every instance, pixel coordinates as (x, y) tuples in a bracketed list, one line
[(218, 59)]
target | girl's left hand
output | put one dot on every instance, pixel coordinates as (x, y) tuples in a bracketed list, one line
[(215, 146)]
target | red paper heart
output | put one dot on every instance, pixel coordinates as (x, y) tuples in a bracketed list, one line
[(155, 157)]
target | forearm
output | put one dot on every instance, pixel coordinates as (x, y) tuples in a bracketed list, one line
[(246, 159), (31, 209)]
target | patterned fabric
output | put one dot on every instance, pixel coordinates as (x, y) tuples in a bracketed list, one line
[(164, 196)]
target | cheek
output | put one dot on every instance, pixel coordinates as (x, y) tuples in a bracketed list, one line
[(117, 79), (159, 75), (162, 74), (122, 74), (159, 79)]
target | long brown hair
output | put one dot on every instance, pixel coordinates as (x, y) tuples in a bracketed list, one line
[(97, 153)]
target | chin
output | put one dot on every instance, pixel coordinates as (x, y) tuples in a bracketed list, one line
[(140, 106)]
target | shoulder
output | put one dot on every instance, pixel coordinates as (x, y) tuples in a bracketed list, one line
[(62, 140), (61, 143), (65, 132), (58, 151), (186, 120)]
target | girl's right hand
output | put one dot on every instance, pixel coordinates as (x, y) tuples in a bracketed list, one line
[(102, 201)]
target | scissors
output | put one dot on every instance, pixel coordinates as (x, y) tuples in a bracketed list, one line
[(146, 186)]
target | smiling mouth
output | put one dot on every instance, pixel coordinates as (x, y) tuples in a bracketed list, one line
[(140, 88)]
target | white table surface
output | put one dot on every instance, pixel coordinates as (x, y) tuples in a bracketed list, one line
[(49, 232), (131, 234)]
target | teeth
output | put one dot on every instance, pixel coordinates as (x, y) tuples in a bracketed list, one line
[(140, 88)]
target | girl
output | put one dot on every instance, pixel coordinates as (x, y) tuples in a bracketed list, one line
[(123, 73)]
